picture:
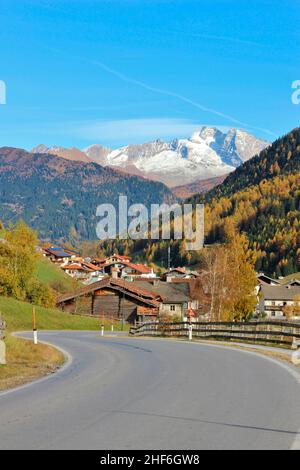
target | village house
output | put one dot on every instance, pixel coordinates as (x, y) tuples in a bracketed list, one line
[(274, 299), (176, 300), (59, 255), (133, 301), (115, 258), (124, 268), (83, 271), (179, 273)]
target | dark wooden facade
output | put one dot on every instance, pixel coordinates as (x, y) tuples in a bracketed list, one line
[(110, 301)]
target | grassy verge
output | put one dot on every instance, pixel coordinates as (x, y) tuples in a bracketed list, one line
[(27, 362)]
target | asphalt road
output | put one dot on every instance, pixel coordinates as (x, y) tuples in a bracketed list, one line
[(121, 393)]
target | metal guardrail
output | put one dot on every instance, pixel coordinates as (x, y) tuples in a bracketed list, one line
[(274, 332)]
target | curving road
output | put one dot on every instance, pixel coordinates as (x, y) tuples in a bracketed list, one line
[(122, 393)]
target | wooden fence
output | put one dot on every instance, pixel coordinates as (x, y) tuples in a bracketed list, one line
[(274, 332)]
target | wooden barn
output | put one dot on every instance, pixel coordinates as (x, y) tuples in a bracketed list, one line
[(113, 298), (141, 300)]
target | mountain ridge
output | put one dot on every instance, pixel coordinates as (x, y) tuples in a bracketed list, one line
[(208, 153)]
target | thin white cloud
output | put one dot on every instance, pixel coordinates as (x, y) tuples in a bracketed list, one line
[(133, 130)]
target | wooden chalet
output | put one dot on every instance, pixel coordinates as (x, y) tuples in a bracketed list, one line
[(112, 298), (117, 299)]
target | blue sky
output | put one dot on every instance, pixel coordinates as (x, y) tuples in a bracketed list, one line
[(79, 72)]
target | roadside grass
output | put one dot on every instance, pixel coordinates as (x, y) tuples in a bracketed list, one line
[(27, 362)]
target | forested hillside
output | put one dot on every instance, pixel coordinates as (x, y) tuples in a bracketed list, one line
[(262, 199), (269, 214), (59, 197)]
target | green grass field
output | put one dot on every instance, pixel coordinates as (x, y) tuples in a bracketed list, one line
[(52, 275), (18, 316)]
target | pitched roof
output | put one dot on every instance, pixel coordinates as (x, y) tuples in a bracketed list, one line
[(280, 292), (129, 288), (57, 252), (184, 271), (121, 256), (91, 266), (73, 266), (80, 267), (141, 268), (168, 291), (264, 279)]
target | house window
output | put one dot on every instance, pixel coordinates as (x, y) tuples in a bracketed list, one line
[(172, 308)]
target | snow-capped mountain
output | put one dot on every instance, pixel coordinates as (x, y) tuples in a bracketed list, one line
[(208, 153)]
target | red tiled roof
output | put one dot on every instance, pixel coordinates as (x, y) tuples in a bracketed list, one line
[(120, 256), (131, 287), (91, 266), (99, 260), (139, 267), (77, 267)]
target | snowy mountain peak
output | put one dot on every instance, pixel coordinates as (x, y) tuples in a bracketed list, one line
[(208, 153)]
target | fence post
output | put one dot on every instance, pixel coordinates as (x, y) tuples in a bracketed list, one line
[(295, 341), (190, 329)]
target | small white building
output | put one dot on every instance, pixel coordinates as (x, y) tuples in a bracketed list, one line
[(179, 273), (274, 298)]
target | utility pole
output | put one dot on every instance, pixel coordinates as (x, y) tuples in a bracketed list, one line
[(169, 258)]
